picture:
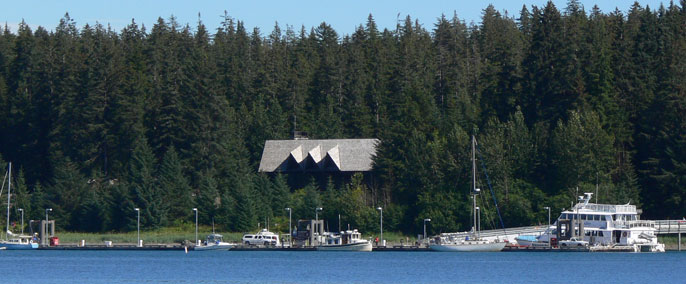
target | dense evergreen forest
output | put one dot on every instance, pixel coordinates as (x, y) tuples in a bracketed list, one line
[(98, 122)]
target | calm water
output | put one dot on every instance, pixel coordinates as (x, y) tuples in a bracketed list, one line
[(338, 267)]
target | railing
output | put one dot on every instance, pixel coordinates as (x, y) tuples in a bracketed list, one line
[(633, 224), (670, 226), (531, 230), (607, 208)]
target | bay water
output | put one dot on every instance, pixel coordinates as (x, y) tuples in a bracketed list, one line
[(338, 267)]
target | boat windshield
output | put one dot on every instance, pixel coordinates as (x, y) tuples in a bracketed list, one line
[(214, 238)]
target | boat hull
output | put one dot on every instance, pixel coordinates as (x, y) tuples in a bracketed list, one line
[(470, 247), (11, 246), (223, 246), (347, 247)]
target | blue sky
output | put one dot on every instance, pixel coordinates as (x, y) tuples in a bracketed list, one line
[(343, 16)]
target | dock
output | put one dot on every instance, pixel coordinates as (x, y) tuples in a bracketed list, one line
[(163, 247), (113, 247)]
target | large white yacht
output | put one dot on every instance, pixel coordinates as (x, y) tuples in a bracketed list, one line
[(604, 225)]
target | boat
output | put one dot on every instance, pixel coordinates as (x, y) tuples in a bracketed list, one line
[(526, 240), (14, 241), (611, 226), (214, 242), (349, 240), (473, 243)]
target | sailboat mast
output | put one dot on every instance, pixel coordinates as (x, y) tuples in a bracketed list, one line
[(474, 184), (9, 187)]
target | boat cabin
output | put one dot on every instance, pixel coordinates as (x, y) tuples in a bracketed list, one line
[(344, 238), (214, 239)]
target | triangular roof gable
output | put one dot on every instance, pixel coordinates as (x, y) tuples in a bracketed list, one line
[(332, 159)]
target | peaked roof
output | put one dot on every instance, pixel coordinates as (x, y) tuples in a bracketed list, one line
[(329, 155)]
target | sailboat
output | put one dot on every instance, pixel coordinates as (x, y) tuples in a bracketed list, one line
[(14, 241), (473, 243)]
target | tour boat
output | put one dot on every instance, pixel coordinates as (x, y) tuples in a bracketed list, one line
[(450, 243), (350, 240), (214, 242), (604, 225), (14, 241)]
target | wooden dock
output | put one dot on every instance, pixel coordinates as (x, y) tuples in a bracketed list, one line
[(112, 247)]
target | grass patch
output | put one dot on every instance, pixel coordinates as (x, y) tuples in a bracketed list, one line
[(160, 236)]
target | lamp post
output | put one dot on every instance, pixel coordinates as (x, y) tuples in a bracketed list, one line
[(138, 225), (380, 223), (425, 220), (290, 227), (578, 219), (548, 229), (22, 220), (47, 224), (316, 218), (196, 225)]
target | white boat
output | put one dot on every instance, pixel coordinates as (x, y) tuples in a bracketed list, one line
[(470, 246), (604, 225), (214, 242), (350, 240), (14, 241), (448, 243)]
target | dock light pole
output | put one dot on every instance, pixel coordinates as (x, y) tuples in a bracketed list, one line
[(425, 220), (47, 224), (380, 222), (547, 229), (138, 225), (578, 219), (22, 220), (316, 218), (290, 227), (196, 225)]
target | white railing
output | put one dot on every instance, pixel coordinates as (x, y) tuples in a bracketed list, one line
[(607, 208), (633, 224), (670, 226)]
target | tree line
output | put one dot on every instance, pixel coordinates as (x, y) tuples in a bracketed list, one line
[(562, 101)]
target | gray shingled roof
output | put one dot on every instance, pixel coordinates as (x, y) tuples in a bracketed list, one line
[(345, 155)]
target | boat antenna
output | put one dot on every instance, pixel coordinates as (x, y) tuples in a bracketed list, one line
[(212, 225), (3, 189), (9, 187), (474, 190)]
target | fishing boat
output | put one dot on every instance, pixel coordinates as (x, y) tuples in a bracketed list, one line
[(214, 242), (349, 240), (473, 243), (603, 226), (14, 241)]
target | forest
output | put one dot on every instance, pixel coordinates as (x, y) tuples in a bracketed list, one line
[(562, 100)]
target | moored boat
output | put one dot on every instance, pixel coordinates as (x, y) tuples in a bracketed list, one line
[(214, 242), (14, 241), (350, 240), (604, 226)]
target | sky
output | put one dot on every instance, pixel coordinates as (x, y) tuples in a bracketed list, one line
[(343, 16)]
